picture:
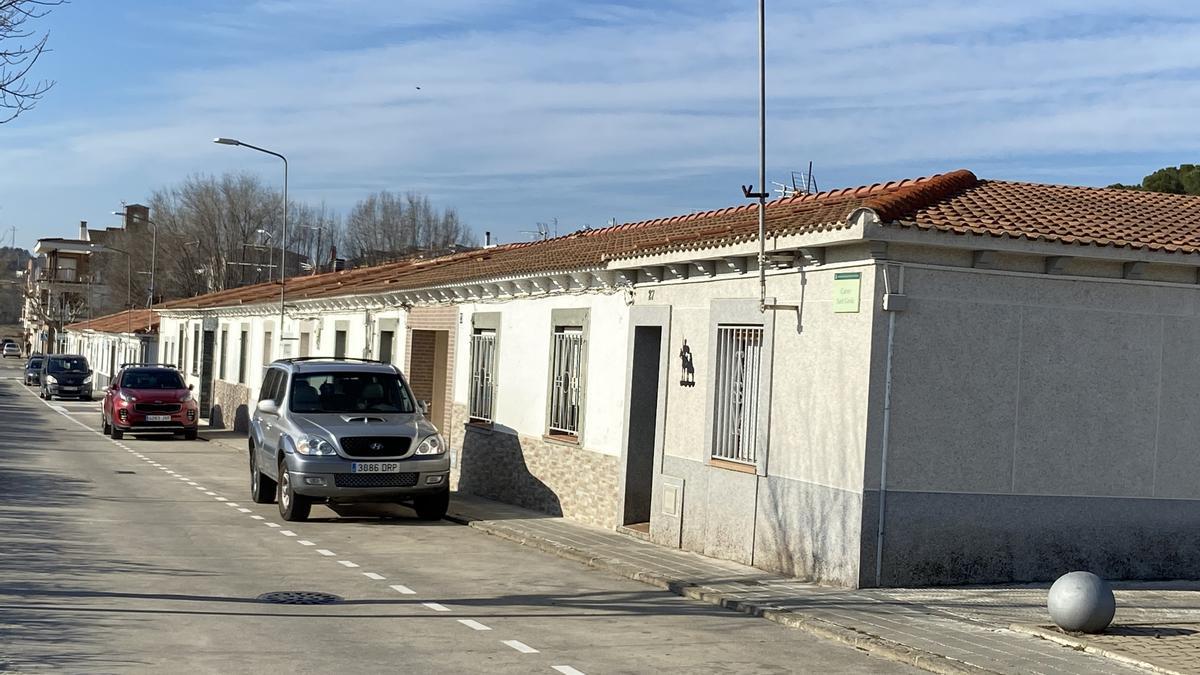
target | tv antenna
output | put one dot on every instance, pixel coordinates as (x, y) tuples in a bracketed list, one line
[(803, 183)]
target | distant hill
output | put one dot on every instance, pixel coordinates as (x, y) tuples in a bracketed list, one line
[(11, 260)]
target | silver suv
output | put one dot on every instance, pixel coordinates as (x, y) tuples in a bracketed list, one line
[(344, 430)]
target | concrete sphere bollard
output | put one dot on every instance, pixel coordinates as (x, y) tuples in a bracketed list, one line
[(1081, 602)]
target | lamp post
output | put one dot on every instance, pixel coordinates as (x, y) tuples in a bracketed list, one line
[(283, 236), (153, 260)]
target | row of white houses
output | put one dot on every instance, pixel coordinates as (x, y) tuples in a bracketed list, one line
[(953, 380)]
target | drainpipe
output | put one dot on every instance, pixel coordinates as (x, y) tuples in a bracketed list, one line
[(893, 302)]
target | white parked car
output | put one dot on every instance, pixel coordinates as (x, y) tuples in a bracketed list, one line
[(12, 349)]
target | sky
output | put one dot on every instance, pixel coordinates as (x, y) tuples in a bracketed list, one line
[(519, 112)]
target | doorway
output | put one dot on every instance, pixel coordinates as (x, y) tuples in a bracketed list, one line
[(427, 371), (206, 373), (643, 426)]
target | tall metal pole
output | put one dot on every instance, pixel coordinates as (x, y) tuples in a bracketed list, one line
[(762, 156)]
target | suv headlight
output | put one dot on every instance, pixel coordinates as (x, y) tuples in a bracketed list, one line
[(125, 397), (50, 379), (314, 445), (187, 396), (432, 445)]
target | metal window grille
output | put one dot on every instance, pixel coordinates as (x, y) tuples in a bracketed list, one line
[(483, 373), (567, 369), (739, 354)]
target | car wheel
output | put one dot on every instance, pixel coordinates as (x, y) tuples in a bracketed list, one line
[(105, 427), (262, 489), (292, 507), (116, 434), (432, 507)]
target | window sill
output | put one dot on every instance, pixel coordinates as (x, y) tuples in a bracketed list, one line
[(564, 439), (732, 466), (480, 427)]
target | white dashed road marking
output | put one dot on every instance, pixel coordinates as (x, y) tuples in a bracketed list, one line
[(436, 606), (473, 624), (287, 533), (520, 646), (567, 670), (399, 588), (257, 517), (347, 563), (244, 510), (326, 552), (305, 542), (372, 575), (271, 524)]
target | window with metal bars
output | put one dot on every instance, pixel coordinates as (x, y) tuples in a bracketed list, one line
[(566, 369), (483, 375), (735, 417)]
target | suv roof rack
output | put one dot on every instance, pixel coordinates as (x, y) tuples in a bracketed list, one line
[(148, 365), (301, 359)]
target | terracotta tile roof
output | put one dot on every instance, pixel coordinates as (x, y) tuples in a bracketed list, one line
[(1153, 221), (952, 202), (128, 321)]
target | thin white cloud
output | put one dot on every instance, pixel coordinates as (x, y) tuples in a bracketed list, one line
[(610, 109)]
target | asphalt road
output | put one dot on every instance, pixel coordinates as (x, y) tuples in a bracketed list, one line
[(148, 556)]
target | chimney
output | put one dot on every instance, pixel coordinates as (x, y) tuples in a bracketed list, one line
[(83, 234), (487, 239)]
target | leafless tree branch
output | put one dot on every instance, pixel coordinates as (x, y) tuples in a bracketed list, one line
[(19, 93)]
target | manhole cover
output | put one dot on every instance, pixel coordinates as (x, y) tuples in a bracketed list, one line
[(299, 598)]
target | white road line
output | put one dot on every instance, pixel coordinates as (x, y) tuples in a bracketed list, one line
[(372, 575), (203, 489), (287, 533), (400, 588), (436, 606), (305, 542), (211, 494), (347, 563), (59, 409), (325, 552), (257, 517), (234, 505), (567, 670), (244, 510), (520, 646), (189, 482), (271, 524), (473, 624), (220, 499)]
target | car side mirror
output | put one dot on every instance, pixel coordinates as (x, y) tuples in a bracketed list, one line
[(268, 407), (423, 406), (191, 386)]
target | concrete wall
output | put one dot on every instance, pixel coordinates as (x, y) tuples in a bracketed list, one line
[(513, 459), (800, 514), (1041, 424)]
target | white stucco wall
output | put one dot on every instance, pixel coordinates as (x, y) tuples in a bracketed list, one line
[(523, 364)]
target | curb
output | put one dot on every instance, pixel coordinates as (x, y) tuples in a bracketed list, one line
[(1068, 640), (873, 644)]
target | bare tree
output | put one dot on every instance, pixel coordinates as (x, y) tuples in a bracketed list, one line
[(386, 226), (20, 49)]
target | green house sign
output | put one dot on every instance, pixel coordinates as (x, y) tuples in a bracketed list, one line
[(846, 292)]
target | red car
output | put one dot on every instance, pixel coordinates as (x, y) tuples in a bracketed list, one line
[(148, 398)]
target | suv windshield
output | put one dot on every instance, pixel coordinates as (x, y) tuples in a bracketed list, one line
[(160, 378), (349, 393), (67, 364), (35, 363)]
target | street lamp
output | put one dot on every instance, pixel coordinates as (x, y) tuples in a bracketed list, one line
[(153, 255), (283, 237)]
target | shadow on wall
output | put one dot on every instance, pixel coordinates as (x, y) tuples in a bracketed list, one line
[(492, 465)]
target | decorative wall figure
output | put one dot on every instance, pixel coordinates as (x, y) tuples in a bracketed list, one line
[(689, 369)]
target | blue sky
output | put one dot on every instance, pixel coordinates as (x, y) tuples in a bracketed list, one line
[(585, 111)]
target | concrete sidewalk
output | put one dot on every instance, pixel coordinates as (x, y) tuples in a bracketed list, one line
[(933, 630)]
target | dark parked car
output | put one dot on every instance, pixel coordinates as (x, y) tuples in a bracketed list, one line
[(65, 376), (149, 398), (33, 370)]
